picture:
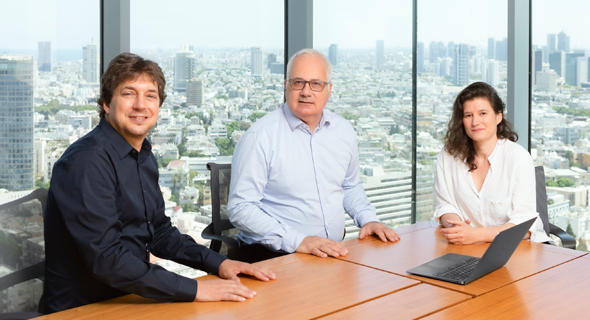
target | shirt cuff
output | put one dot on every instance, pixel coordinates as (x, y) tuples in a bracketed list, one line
[(291, 242), (187, 290), (212, 262), (365, 217)]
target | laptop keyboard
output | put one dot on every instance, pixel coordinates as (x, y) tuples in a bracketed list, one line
[(459, 271)]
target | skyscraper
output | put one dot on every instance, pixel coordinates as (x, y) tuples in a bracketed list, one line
[(502, 50), (461, 65), (557, 63), (380, 53), (271, 58), (572, 69), (185, 68), (537, 64), (420, 57), (451, 49), (16, 122), (563, 42), (436, 50), (194, 92), (255, 60), (551, 43), (493, 73), (90, 63), (44, 56), (333, 54), (491, 48)]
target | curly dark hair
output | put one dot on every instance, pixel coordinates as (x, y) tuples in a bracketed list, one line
[(457, 142), (125, 67)]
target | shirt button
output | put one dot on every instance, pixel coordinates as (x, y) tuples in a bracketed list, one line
[(143, 191), (149, 222)]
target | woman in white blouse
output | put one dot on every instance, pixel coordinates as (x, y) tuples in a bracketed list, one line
[(485, 182)]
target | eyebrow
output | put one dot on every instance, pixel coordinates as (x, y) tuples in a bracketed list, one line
[(133, 88)]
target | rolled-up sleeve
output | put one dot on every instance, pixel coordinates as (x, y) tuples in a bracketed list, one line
[(444, 189)]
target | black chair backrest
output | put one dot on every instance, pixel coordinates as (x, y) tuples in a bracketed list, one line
[(220, 179), (542, 197), (36, 269)]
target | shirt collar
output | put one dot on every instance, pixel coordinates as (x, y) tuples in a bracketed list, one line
[(121, 146), (295, 122), (493, 158)]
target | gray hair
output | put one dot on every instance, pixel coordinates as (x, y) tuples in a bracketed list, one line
[(313, 52)]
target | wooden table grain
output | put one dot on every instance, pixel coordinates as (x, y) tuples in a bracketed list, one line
[(560, 292), (306, 287), (425, 244), (411, 303)]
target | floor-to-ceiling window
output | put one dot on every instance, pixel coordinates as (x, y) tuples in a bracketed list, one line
[(560, 70), (49, 76), (369, 45)]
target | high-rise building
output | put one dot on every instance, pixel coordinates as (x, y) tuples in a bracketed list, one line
[(451, 49), (573, 68), (551, 43), (379, 53), (255, 60), (333, 54), (437, 50), (547, 80), (557, 62), (194, 92), (502, 50), (90, 63), (420, 57), (271, 58), (44, 56), (493, 73), (581, 70), (16, 122), (537, 64), (461, 65), (491, 48), (185, 68), (563, 42), (445, 67)]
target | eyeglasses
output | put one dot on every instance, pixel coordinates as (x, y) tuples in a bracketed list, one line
[(314, 85)]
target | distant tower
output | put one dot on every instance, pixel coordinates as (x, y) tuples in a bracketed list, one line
[(574, 68), (44, 56), (271, 58), (90, 63), (461, 65), (420, 57), (491, 48), (333, 54), (16, 122), (185, 65), (563, 42), (502, 50), (255, 60), (493, 73), (194, 92), (551, 43), (380, 53), (557, 63), (537, 64)]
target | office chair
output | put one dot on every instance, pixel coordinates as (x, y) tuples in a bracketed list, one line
[(566, 240), (221, 230), (34, 271)]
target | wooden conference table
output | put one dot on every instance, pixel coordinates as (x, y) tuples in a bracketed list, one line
[(539, 281)]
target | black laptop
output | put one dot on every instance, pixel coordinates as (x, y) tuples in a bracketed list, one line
[(462, 269)]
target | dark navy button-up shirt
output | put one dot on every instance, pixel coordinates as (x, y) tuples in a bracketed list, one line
[(105, 214)]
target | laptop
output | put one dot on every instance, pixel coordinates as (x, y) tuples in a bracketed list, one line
[(462, 269)]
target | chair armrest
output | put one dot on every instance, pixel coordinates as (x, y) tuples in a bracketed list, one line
[(232, 244), (566, 239)]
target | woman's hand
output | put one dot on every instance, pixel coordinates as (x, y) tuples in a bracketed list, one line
[(461, 232)]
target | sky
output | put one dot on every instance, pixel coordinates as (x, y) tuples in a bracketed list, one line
[(71, 24)]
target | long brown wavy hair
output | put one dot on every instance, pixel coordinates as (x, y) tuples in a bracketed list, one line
[(457, 142)]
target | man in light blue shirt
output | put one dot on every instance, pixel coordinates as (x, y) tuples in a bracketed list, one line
[(296, 171)]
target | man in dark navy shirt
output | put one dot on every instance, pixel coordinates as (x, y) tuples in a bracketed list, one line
[(105, 211)]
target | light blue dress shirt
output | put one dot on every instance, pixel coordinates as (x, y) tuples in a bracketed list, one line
[(287, 183)]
